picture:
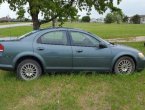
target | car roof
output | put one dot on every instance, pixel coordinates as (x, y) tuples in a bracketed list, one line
[(63, 28)]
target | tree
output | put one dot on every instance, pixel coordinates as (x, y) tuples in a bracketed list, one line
[(21, 14), (51, 9), (113, 17), (135, 19), (62, 9), (118, 15), (125, 19), (109, 18), (86, 19), (59, 10)]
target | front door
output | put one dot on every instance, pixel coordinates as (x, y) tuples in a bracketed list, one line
[(87, 54)]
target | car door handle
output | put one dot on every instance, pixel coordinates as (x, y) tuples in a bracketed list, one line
[(40, 48), (79, 51)]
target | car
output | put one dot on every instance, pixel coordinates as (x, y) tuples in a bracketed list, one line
[(66, 49)]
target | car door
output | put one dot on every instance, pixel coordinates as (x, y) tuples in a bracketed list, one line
[(54, 49), (87, 54)]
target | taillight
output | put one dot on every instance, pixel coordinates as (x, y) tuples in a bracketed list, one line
[(1, 48)]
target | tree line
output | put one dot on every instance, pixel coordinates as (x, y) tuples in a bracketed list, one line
[(118, 17)]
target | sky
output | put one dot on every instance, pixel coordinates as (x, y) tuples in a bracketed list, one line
[(129, 7)]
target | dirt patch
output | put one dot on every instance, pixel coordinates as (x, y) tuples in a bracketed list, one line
[(130, 39), (42, 97), (27, 103)]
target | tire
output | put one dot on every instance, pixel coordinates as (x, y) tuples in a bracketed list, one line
[(28, 70), (124, 65)]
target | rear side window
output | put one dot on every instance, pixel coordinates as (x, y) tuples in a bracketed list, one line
[(54, 38)]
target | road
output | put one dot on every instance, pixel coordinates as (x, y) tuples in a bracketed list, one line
[(15, 25)]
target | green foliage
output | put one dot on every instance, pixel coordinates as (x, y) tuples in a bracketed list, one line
[(100, 5), (113, 17), (118, 16), (21, 13), (135, 19), (109, 18), (59, 10), (125, 19), (86, 19)]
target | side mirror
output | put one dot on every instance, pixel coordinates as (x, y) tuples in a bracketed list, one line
[(102, 45)]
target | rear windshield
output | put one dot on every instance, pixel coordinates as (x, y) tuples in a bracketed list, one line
[(27, 34)]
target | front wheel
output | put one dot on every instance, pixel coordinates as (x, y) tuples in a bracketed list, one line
[(124, 65), (29, 70)]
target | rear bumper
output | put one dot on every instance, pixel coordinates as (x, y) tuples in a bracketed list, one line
[(6, 67)]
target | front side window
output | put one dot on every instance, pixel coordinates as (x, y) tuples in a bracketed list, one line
[(81, 39), (55, 38)]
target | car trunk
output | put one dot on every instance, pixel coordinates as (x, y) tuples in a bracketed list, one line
[(8, 39)]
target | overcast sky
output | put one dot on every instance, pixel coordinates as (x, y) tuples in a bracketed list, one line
[(129, 7)]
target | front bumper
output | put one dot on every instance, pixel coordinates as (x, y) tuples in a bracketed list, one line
[(140, 64)]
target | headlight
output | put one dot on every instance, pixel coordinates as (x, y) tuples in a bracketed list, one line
[(141, 55)]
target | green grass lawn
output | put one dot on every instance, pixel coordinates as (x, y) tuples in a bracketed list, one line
[(74, 91), (102, 30), (16, 31)]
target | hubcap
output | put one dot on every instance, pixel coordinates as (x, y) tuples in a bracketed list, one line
[(125, 66), (29, 71)]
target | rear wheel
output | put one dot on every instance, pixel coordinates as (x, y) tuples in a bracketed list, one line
[(29, 70), (124, 65)]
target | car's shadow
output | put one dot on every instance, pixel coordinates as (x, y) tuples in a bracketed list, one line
[(13, 74), (78, 73)]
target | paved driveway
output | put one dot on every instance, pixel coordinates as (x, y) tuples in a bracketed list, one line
[(15, 25)]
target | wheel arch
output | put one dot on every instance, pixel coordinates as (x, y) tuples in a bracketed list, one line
[(124, 55), (22, 58)]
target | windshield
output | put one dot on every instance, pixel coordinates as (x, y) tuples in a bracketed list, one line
[(27, 34)]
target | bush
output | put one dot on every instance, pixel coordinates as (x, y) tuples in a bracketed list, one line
[(86, 19), (135, 19)]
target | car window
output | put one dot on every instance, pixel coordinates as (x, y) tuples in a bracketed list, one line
[(56, 38), (27, 34), (81, 39)]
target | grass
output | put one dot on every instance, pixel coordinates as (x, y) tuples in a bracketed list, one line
[(104, 30), (16, 31), (74, 91)]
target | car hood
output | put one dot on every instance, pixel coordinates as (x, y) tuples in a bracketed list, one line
[(8, 38), (125, 48)]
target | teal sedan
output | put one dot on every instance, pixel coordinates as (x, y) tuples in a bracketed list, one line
[(66, 49)]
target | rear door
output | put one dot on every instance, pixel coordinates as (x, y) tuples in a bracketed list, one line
[(54, 48)]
